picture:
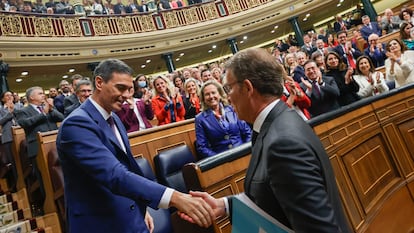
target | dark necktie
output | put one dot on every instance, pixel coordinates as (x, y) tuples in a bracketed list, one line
[(254, 137), (315, 86), (111, 123), (40, 107)]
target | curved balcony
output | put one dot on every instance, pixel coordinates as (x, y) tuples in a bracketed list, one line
[(31, 42)]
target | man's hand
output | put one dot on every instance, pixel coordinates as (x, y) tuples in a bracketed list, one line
[(149, 222), (195, 208), (217, 205)]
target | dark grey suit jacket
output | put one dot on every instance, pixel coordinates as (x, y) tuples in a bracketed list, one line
[(290, 175), (327, 100), (32, 122), (6, 122)]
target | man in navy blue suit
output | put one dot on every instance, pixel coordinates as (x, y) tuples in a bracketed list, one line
[(369, 28), (105, 190)]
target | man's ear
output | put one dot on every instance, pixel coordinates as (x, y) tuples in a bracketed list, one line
[(98, 82), (249, 86)]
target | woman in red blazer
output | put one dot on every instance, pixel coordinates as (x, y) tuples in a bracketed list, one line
[(295, 98), (167, 104)]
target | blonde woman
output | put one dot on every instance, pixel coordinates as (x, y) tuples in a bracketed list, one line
[(217, 127), (191, 100), (167, 103)]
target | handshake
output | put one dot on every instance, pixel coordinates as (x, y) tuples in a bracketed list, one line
[(198, 207)]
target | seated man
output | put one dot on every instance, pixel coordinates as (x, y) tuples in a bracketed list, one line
[(83, 90), (322, 90), (376, 51)]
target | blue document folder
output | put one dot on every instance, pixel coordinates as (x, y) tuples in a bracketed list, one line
[(249, 218)]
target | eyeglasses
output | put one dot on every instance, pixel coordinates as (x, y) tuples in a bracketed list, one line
[(228, 87)]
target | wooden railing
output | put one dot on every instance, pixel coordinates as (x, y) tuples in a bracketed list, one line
[(45, 25)]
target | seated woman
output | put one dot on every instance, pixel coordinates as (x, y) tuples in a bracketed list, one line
[(167, 104), (136, 113), (179, 84), (217, 127), (399, 65), (405, 35), (295, 98), (191, 100), (336, 68), (370, 82)]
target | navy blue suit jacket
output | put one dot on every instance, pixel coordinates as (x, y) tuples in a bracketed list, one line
[(366, 31), (105, 190), (213, 138)]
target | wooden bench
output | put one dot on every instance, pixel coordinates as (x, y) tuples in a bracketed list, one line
[(148, 143), (18, 137)]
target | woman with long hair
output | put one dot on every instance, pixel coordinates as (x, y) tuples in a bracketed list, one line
[(405, 34), (370, 82), (336, 68), (217, 127), (167, 104), (191, 99)]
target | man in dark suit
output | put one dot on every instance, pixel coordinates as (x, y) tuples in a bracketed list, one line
[(73, 98), (308, 47), (105, 190), (369, 28), (39, 116), (83, 90), (376, 51), (322, 90), (346, 50), (143, 7), (340, 24), (7, 120), (289, 175), (65, 91)]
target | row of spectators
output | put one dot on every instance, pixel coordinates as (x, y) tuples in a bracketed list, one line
[(92, 7)]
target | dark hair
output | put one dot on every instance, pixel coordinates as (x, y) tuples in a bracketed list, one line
[(371, 64), (341, 32), (341, 64), (260, 68), (408, 10), (76, 77), (404, 35), (402, 45), (2, 96), (107, 67)]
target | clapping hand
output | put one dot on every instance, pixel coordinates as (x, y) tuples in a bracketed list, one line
[(306, 83), (48, 105)]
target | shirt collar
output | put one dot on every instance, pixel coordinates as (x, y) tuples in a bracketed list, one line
[(102, 111), (262, 116)]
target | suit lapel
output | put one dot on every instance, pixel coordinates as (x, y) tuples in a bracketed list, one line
[(257, 150), (117, 149)]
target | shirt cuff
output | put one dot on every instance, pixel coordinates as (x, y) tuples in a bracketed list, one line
[(226, 206), (166, 198)]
